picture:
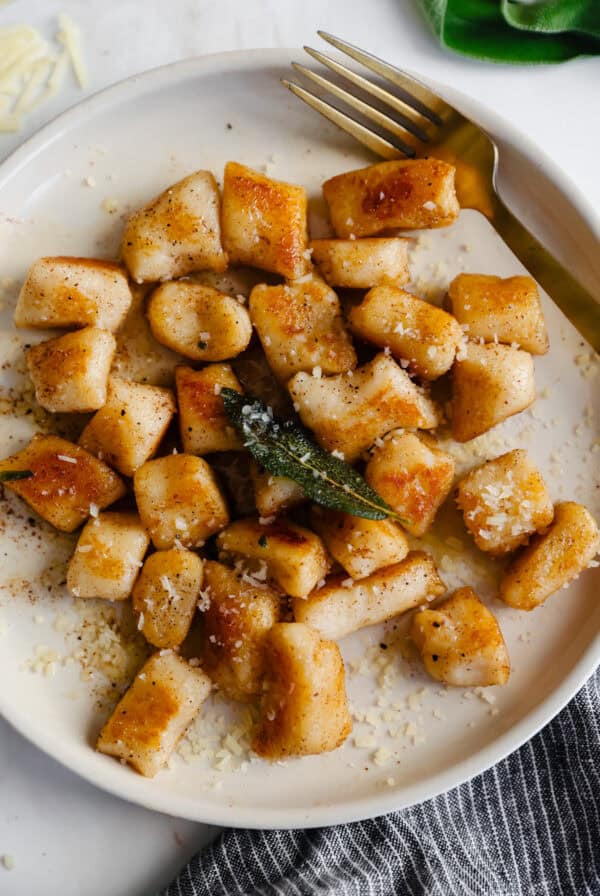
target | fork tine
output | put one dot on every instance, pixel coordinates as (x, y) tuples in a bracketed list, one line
[(406, 141), (411, 119), (368, 138), (419, 96)]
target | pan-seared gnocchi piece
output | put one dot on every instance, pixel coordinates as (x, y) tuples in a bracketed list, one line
[(500, 309), (264, 222), (73, 292), (300, 326), (414, 330), (273, 494), (198, 321), (348, 412), (342, 606), (66, 484), (139, 357), (361, 264), (108, 557), (489, 384), (291, 555), (460, 642), (552, 560), (177, 233), (179, 501), (147, 723), (504, 501), (70, 373), (165, 596), (404, 194), (413, 476), (304, 708), (361, 546), (239, 614), (203, 423), (127, 431)]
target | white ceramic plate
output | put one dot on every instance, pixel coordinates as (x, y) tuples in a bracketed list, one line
[(126, 144)]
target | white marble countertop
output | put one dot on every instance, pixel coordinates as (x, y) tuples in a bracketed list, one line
[(67, 837)]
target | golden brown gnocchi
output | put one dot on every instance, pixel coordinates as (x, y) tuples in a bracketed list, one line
[(504, 501), (127, 431), (461, 643), (413, 476), (198, 321), (108, 557), (264, 222), (361, 264), (361, 546), (500, 310), (331, 572), (290, 554), (73, 292), (405, 194), (348, 412), (179, 501), (239, 613), (145, 726), (304, 708), (177, 233), (489, 383), (203, 423), (273, 494), (67, 483), (165, 595), (70, 373), (342, 605), (300, 327), (553, 559), (415, 331)]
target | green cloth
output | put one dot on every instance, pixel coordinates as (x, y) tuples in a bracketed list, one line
[(509, 31)]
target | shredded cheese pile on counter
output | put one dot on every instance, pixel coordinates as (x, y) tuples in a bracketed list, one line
[(32, 70)]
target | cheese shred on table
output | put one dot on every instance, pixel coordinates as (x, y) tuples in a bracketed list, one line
[(33, 70)]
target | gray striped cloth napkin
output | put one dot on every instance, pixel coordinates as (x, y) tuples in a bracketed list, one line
[(527, 827)]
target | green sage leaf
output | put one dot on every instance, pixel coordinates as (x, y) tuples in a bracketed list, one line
[(14, 475), (285, 448)]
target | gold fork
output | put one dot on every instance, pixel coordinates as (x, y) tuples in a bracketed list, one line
[(423, 124)]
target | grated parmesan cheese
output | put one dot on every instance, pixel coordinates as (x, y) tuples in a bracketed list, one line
[(111, 206), (365, 741), (33, 70), (168, 587), (382, 756), (66, 458), (70, 36)]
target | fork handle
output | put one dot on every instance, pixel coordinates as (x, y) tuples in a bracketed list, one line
[(576, 303)]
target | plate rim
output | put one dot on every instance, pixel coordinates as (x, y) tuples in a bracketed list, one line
[(138, 790)]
